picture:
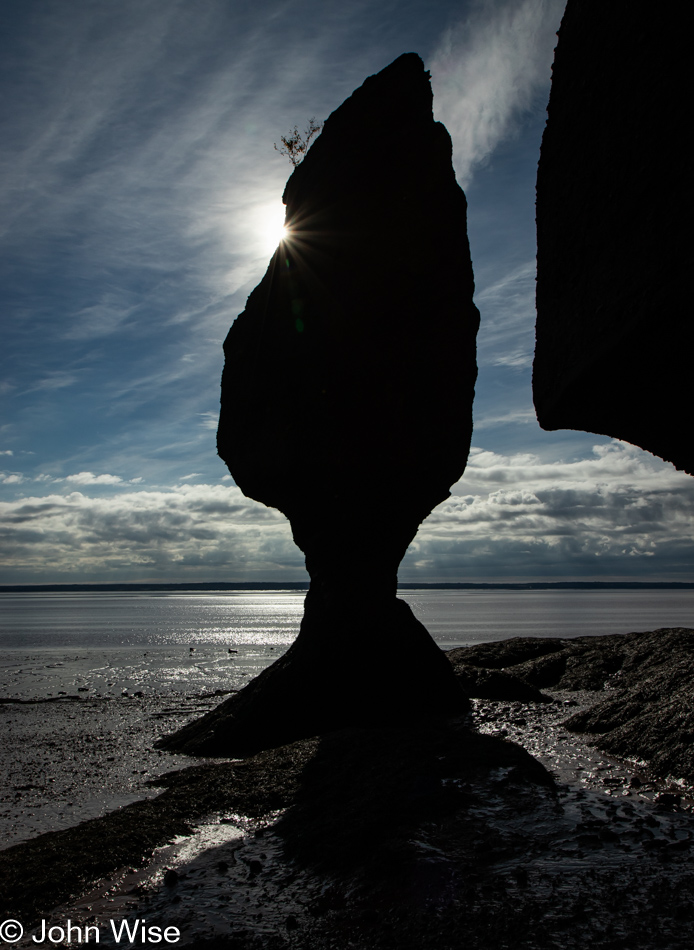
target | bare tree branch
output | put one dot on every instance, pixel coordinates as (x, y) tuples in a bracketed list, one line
[(295, 145)]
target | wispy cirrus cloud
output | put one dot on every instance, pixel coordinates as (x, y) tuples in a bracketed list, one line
[(511, 417), (137, 175), (507, 309), (150, 129), (209, 420), (488, 69), (59, 379)]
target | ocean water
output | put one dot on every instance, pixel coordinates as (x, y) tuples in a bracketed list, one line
[(270, 619), (149, 619), (466, 617)]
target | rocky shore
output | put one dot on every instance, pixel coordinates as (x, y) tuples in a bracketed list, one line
[(506, 828), (645, 710)]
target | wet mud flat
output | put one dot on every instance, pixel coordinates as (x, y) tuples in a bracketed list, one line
[(79, 728), (422, 836), (78, 759), (505, 829)]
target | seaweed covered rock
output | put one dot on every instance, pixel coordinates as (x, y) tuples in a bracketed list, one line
[(480, 683), (614, 197), (347, 404), (647, 680)]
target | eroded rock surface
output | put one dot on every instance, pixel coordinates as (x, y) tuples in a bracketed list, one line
[(647, 680), (347, 404), (614, 194)]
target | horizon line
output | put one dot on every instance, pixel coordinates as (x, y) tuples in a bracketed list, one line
[(304, 585)]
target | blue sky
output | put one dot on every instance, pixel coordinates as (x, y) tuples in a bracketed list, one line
[(139, 201)]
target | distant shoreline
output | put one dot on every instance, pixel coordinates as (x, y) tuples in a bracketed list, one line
[(303, 585)]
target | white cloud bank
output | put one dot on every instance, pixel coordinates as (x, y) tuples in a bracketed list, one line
[(515, 517), (488, 69), (189, 532), (618, 515)]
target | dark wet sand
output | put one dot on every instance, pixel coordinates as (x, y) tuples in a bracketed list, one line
[(424, 836), (79, 728)]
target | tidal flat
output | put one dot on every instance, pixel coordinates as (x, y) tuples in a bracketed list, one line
[(501, 829)]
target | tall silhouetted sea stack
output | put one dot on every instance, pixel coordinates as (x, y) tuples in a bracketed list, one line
[(347, 404), (614, 197)]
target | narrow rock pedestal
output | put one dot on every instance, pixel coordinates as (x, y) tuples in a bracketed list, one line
[(347, 404)]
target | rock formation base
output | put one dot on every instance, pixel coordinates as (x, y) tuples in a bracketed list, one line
[(371, 665)]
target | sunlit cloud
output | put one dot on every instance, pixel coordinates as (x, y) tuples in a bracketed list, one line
[(209, 420), (89, 478), (488, 69), (195, 530), (522, 516), (84, 478), (619, 513)]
